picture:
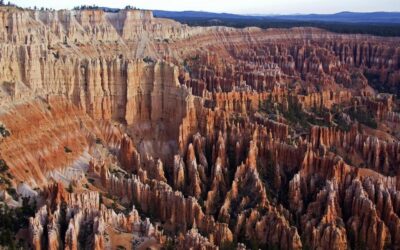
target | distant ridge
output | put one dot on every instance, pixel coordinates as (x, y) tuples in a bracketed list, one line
[(197, 14), (344, 17), (354, 17), (373, 23)]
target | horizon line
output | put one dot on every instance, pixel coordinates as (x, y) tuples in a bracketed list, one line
[(204, 11)]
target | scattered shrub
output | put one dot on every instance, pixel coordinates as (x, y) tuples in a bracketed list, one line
[(3, 166), (67, 150), (70, 188), (13, 193), (3, 131), (148, 59)]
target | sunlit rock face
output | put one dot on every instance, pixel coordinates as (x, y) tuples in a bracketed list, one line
[(129, 131)]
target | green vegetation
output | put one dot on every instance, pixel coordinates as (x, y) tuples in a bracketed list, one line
[(267, 174), (114, 205), (5, 176), (341, 123), (374, 80), (63, 220), (3, 166), (130, 7), (347, 160), (228, 245), (267, 106), (201, 202), (339, 119), (99, 141), (87, 7), (85, 231), (13, 192), (295, 114), (3, 3), (12, 220), (3, 131), (100, 199), (67, 150), (148, 59), (363, 117), (70, 188), (4, 180), (169, 244), (119, 171)]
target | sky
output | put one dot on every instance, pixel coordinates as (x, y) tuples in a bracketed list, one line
[(231, 6)]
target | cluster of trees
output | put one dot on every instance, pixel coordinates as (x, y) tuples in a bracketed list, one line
[(295, 115), (382, 87), (359, 114), (2, 3), (363, 117), (130, 7), (5, 175), (341, 123), (87, 7), (12, 220), (3, 166), (95, 7)]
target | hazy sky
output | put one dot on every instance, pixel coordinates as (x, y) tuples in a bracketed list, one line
[(231, 6)]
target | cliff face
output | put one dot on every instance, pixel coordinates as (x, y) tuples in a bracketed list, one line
[(159, 134), (112, 88), (48, 139)]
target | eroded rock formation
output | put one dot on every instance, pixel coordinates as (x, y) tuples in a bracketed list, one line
[(159, 134)]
